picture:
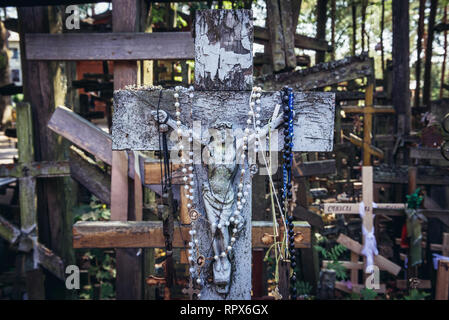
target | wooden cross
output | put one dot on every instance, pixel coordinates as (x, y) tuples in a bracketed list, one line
[(26, 171), (223, 82), (354, 208)]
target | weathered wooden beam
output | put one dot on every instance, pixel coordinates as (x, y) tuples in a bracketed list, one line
[(320, 75), (426, 153), (375, 109), (8, 231), (370, 148), (427, 175), (228, 63), (302, 60), (442, 289), (314, 219), (346, 264), (422, 284), (149, 234), (82, 133), (356, 288), (134, 128), (152, 173), (88, 174), (50, 261), (43, 169), (314, 168), (380, 261), (109, 46), (261, 35)]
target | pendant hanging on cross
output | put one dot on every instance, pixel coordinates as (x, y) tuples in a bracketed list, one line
[(219, 105)]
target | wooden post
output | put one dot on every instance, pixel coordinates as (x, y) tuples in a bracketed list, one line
[(44, 88), (129, 266), (442, 289)]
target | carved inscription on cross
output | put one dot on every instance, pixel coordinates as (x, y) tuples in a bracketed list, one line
[(223, 84)]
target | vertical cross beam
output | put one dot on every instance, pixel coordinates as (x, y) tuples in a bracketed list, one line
[(129, 278), (224, 62)]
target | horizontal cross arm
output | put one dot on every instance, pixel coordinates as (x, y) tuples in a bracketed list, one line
[(353, 208), (380, 261), (43, 169), (360, 143), (149, 234), (367, 109), (110, 46), (8, 231)]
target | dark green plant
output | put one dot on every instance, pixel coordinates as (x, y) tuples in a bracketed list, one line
[(100, 264), (333, 255), (303, 288), (415, 294)]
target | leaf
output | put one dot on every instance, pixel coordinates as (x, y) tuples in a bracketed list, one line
[(107, 290)]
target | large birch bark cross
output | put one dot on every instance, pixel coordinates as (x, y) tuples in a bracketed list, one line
[(223, 84)]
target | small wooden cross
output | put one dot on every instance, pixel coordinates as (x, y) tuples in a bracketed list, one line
[(354, 208), (223, 83)]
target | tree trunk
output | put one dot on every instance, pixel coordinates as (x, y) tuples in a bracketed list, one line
[(4, 67), (321, 28), (427, 91), (333, 18), (45, 87), (354, 27), (382, 51), (401, 69), (362, 35), (422, 6), (443, 67)]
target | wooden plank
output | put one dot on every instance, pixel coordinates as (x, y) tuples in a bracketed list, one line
[(82, 133), (367, 196), (422, 284), (152, 173), (149, 234), (380, 261), (8, 231), (262, 36), (356, 288), (29, 3), (223, 50), (358, 265), (320, 75), (110, 46), (442, 288), (50, 261), (367, 148), (87, 173), (426, 153), (275, 39), (129, 264), (368, 123), (367, 109), (135, 129), (353, 208), (43, 169), (302, 214), (314, 168), (445, 245)]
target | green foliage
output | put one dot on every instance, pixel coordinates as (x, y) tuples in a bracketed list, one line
[(365, 294), (414, 200), (333, 254), (100, 264), (303, 288), (94, 211), (415, 294)]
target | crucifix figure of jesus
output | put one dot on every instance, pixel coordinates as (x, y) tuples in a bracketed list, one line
[(216, 112)]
